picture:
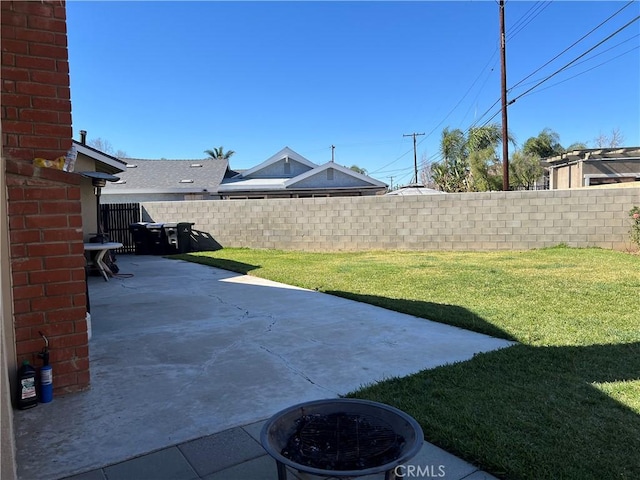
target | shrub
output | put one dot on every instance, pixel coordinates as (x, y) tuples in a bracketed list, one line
[(634, 233)]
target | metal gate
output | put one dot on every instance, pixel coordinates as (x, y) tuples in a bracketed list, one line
[(116, 218)]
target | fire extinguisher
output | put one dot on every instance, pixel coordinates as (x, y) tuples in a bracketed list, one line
[(46, 373)]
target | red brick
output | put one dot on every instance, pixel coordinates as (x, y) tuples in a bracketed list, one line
[(74, 365), (26, 264), (8, 86), (81, 299), (23, 208), (34, 8), (28, 291), (54, 330), (21, 306), (77, 248), (63, 92), (74, 314), (48, 24), (12, 140), (64, 118), (50, 303), (73, 193), (54, 78), (62, 66), (15, 74), (29, 319), (18, 251), (62, 381), (11, 18), (15, 99), (29, 347), (19, 278), (84, 379), (11, 113), (46, 250), (61, 207), (76, 339), (38, 115), (68, 288), (23, 334), (25, 236), (75, 221), (52, 130), (48, 51), (61, 40), (8, 59), (38, 63), (30, 141), (49, 276), (52, 193), (16, 223), (15, 193), (9, 126), (14, 46), (59, 235), (8, 31), (46, 103), (46, 221), (37, 36), (52, 263)]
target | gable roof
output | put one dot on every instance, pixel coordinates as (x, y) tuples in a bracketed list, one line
[(303, 176), (169, 176), (285, 153), (104, 162), (364, 180)]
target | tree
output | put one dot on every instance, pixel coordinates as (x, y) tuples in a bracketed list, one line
[(616, 139), (546, 144), (357, 169), (470, 162), (524, 170), (219, 153), (106, 147)]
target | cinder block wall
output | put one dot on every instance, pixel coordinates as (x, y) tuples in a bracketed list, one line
[(45, 222), (466, 221)]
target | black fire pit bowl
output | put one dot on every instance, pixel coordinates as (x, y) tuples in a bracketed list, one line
[(278, 431)]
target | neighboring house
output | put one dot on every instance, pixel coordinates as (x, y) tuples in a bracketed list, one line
[(284, 175), (160, 180), (288, 174), (91, 160), (596, 166)]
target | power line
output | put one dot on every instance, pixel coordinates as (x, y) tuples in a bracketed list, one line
[(588, 70), (575, 60), (571, 46)]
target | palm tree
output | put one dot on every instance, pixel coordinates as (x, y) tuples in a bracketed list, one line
[(219, 153)]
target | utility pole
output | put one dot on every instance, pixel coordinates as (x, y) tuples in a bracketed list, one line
[(503, 75), (415, 153), (333, 147)]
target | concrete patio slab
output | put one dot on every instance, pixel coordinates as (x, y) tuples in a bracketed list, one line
[(181, 351)]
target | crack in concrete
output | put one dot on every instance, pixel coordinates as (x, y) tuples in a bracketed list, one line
[(297, 371)]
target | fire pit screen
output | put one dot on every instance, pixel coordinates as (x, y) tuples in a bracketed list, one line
[(341, 438)]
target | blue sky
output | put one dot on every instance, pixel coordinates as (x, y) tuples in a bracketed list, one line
[(171, 79)]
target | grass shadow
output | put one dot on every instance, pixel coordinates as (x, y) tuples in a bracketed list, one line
[(530, 412), (222, 263), (438, 312)]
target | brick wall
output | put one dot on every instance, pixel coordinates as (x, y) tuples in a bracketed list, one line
[(45, 222), (468, 221)]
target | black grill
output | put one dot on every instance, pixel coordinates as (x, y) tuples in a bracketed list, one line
[(343, 441)]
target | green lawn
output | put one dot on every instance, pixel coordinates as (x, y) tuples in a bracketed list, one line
[(562, 404)]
